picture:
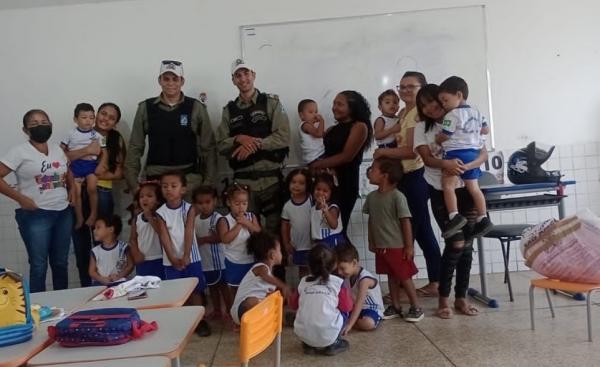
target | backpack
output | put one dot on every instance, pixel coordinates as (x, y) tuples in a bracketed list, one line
[(16, 322), (103, 326)]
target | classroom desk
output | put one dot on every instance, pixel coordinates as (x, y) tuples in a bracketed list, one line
[(171, 293), (175, 327), (68, 299), (511, 197), (130, 362)]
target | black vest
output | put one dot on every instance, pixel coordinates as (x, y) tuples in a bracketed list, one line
[(171, 139), (253, 121)]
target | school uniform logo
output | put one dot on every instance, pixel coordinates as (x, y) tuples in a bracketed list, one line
[(184, 120)]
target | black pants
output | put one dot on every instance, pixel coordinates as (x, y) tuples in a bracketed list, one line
[(458, 251)]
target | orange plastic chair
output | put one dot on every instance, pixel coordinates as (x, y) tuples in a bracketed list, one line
[(553, 284), (260, 326)]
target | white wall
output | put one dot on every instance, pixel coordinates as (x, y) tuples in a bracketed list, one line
[(543, 61)]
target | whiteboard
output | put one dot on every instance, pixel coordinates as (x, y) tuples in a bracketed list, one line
[(318, 58)]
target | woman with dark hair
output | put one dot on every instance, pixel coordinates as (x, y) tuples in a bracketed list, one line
[(44, 216), (344, 146), (412, 185), (458, 252), (110, 168)]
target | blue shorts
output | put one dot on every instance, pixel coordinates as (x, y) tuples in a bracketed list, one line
[(466, 156), (334, 240), (372, 314), (214, 277), (151, 267), (82, 168), (300, 257), (194, 270), (234, 273)]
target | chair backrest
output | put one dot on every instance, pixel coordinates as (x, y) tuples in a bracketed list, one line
[(260, 326)]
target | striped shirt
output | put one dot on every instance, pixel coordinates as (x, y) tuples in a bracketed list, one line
[(175, 219), (211, 253), (319, 228), (374, 301)]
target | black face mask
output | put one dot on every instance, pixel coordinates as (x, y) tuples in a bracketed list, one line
[(40, 134)]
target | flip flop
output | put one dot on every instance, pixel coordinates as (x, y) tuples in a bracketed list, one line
[(469, 310), (444, 313), (423, 292)]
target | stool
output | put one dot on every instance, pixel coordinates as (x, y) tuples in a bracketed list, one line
[(552, 284), (506, 233)]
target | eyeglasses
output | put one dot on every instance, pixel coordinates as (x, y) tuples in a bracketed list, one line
[(407, 87), (169, 62)]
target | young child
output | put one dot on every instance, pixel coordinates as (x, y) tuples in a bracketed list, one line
[(461, 138), (325, 220), (323, 305), (386, 126), (259, 281), (110, 261), (295, 219), (211, 249), (367, 312), (84, 168), (143, 239), (312, 130), (181, 257), (390, 236), (234, 230)]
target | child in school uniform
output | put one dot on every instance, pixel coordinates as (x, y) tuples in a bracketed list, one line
[(390, 236), (110, 261), (386, 126), (234, 229), (367, 312), (211, 249), (461, 138), (143, 239), (325, 218), (295, 219), (259, 280), (323, 305), (181, 256)]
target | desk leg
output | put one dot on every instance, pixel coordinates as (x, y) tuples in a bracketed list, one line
[(482, 296), (176, 362), (561, 209)]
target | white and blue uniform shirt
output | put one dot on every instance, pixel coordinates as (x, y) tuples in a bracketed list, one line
[(110, 260), (374, 300), (147, 238), (463, 125), (251, 286), (237, 250), (175, 219), (212, 254), (78, 139), (319, 228), (298, 215)]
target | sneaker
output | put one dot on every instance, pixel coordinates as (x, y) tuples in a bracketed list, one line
[(454, 225), (307, 349), (415, 314), (203, 329), (482, 227), (339, 346), (392, 312)]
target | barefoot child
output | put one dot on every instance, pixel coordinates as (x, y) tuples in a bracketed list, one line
[(111, 260)]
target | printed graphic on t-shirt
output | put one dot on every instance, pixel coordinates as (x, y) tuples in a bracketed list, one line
[(50, 180)]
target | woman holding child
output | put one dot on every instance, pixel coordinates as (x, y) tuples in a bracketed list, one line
[(110, 168), (344, 146), (413, 185), (458, 252)]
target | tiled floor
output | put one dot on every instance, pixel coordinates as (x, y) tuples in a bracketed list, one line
[(497, 337)]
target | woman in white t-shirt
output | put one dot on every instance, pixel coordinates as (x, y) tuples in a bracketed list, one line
[(458, 252), (45, 218)]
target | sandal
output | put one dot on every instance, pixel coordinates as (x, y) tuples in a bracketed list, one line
[(424, 292), (467, 310), (444, 313)]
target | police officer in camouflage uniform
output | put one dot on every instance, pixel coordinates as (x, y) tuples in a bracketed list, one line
[(254, 135), (180, 135)]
